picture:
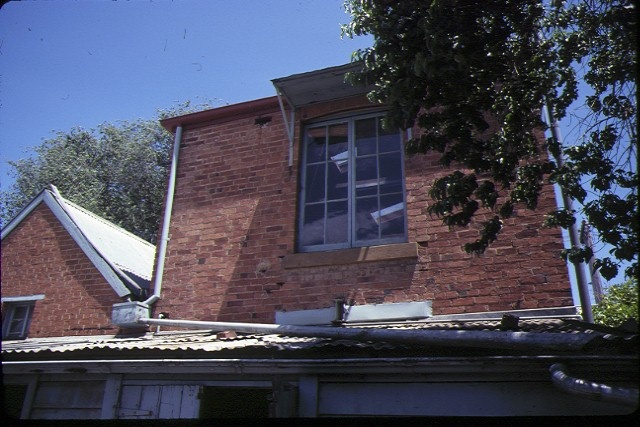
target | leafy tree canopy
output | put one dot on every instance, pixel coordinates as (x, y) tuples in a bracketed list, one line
[(456, 67), (619, 303), (118, 171)]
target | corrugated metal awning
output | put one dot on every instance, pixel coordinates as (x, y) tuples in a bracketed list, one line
[(319, 86)]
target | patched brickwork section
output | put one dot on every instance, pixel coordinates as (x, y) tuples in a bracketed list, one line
[(235, 218), (40, 257)]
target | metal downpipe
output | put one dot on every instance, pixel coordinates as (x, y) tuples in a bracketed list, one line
[(166, 220), (574, 237), (592, 390)]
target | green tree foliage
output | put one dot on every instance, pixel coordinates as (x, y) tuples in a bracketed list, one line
[(619, 303), (456, 68), (118, 171)]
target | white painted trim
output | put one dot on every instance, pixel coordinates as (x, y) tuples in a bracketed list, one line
[(57, 207), (23, 298), (22, 215), (111, 396), (103, 267)]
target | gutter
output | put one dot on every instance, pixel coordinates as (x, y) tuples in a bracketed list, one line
[(506, 340), (166, 220), (510, 366), (592, 390)]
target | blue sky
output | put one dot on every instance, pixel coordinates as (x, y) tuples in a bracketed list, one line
[(81, 63)]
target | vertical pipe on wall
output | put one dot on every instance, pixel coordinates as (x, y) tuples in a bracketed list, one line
[(581, 278), (164, 234)]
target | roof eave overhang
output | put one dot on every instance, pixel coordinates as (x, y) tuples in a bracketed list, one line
[(298, 90), (221, 113), (450, 366), (318, 86)]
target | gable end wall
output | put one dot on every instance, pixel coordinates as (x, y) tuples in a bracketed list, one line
[(234, 221), (40, 257)]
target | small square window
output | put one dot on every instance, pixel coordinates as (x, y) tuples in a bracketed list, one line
[(17, 317)]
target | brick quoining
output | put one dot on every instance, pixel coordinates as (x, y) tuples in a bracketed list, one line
[(234, 222)]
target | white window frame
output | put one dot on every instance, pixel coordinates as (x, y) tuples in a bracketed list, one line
[(10, 305), (352, 241)]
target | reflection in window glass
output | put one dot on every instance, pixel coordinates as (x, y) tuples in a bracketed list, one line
[(16, 320), (388, 140), (366, 226), (337, 222), (312, 232), (316, 178), (366, 176), (366, 136), (346, 203), (316, 145), (391, 171)]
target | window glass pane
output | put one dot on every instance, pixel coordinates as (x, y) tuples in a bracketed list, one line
[(312, 232), (19, 319), (388, 140), (337, 222), (391, 173), (392, 214), (314, 183), (366, 136), (377, 211), (366, 176), (366, 226), (316, 145), (337, 182), (338, 140)]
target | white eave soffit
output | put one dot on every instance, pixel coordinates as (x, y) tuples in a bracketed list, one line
[(319, 86)]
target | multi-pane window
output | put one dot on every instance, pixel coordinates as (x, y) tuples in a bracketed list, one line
[(17, 316), (352, 185)]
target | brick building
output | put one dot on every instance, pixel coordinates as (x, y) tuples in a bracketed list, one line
[(288, 203), (301, 209), (63, 268)]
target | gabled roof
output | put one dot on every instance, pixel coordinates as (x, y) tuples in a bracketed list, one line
[(125, 260)]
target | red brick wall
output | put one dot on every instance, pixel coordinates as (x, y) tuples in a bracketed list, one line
[(40, 257), (234, 220)]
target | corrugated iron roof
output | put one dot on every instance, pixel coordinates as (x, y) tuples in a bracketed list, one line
[(126, 250), (605, 339), (320, 85), (198, 340)]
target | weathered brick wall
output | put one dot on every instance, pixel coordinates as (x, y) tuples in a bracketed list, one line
[(521, 270), (40, 257), (234, 220)]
